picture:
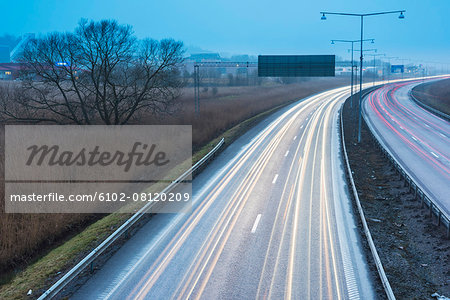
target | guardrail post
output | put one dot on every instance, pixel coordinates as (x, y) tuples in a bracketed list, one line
[(419, 194), (422, 200)]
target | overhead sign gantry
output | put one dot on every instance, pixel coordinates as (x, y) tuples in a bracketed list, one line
[(296, 65)]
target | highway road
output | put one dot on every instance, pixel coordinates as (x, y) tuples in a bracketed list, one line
[(418, 139), (271, 219)]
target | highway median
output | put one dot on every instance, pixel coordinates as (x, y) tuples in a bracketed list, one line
[(411, 247)]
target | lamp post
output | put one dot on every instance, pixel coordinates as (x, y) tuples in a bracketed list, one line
[(361, 16), (365, 50), (356, 75), (374, 67), (352, 42)]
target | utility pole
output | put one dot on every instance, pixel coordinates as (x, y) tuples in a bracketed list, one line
[(215, 65), (196, 89)]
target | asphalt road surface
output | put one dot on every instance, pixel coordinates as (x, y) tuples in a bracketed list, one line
[(271, 219), (418, 139)]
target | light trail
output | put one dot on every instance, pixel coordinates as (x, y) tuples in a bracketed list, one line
[(291, 250), (416, 138)]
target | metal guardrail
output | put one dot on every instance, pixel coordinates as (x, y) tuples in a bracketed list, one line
[(373, 249), (89, 259), (419, 193), (429, 108)]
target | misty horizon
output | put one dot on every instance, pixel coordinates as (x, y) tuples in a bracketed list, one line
[(254, 27)]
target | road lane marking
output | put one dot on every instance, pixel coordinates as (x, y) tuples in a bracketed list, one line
[(414, 138), (301, 127), (221, 234), (427, 125), (266, 292), (401, 128), (255, 225), (207, 276), (287, 152), (434, 154), (221, 246), (328, 231), (148, 285), (275, 178), (442, 134), (172, 248), (295, 137)]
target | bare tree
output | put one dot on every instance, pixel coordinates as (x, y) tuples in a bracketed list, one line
[(98, 74)]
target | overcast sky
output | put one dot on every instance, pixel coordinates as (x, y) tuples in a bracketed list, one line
[(252, 26)]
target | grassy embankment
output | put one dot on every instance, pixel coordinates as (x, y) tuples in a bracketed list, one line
[(435, 94)]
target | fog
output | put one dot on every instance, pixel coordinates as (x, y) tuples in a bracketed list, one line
[(253, 26)]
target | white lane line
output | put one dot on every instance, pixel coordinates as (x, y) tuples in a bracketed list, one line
[(275, 178), (301, 127), (443, 135), (401, 128), (295, 137), (255, 225), (414, 138), (427, 125), (434, 154), (287, 152)]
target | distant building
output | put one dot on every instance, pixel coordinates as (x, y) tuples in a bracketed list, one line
[(4, 54), (16, 52), (10, 71), (343, 70), (204, 57)]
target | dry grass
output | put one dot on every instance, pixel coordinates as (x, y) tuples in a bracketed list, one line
[(435, 94), (24, 237), (232, 105)]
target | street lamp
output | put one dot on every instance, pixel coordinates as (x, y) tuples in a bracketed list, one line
[(365, 50), (353, 66), (361, 16)]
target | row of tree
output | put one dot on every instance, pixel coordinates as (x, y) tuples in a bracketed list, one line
[(102, 74), (98, 74)]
